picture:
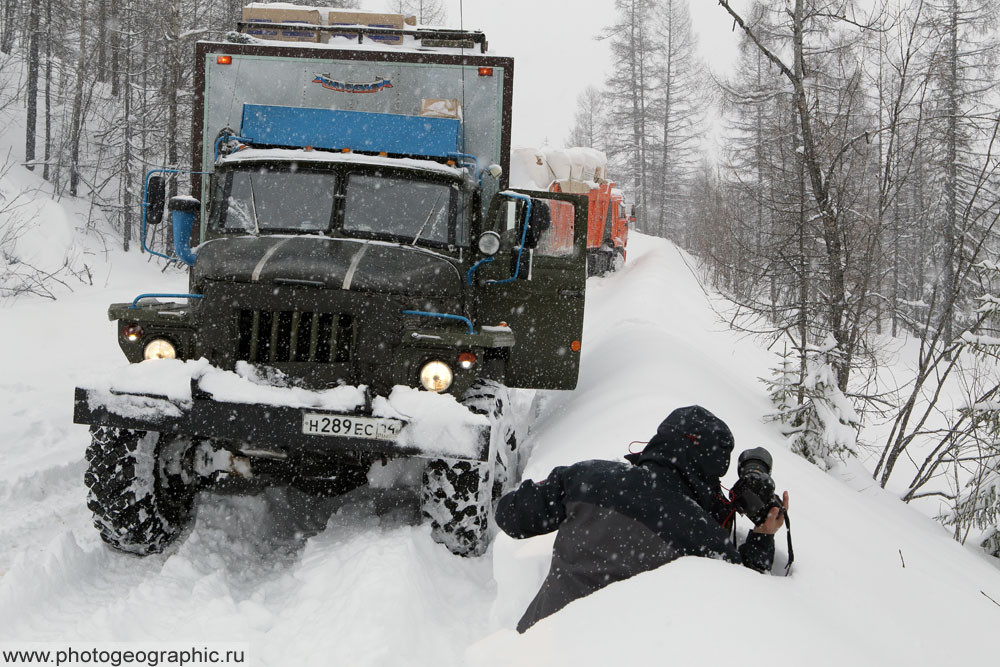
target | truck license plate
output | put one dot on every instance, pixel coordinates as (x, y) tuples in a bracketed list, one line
[(373, 428)]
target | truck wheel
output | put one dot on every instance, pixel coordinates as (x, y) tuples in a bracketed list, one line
[(459, 496), (595, 263), (599, 263), (139, 506), (618, 260)]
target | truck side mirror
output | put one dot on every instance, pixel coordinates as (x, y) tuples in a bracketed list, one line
[(538, 223), (631, 217), (183, 210), (156, 195)]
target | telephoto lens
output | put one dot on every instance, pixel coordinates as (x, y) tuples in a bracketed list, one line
[(757, 459), (753, 493)]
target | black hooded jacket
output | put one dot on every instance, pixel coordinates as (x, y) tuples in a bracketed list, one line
[(616, 520)]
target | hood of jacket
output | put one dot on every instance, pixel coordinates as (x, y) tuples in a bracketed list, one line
[(696, 444)]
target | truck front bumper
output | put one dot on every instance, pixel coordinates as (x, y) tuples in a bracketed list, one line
[(257, 426)]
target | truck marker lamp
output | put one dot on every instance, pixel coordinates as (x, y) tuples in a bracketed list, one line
[(224, 60), (436, 376), (575, 346), (159, 348), (485, 71), (132, 332), (466, 360), (345, 150), (383, 154)]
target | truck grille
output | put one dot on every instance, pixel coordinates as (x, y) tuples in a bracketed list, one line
[(289, 335)]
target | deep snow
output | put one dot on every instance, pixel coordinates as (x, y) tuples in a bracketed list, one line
[(357, 581)]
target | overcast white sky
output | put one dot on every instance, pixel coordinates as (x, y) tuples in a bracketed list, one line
[(557, 54)]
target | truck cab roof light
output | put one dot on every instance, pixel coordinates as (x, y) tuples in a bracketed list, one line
[(224, 60), (485, 71)]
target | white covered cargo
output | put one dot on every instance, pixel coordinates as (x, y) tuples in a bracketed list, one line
[(539, 167)]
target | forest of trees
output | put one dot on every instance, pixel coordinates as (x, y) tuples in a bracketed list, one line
[(850, 204), (854, 203)]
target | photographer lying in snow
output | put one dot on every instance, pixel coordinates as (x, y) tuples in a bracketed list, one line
[(616, 520)]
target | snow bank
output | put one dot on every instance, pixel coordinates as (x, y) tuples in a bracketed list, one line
[(42, 234), (874, 582), (39, 251)]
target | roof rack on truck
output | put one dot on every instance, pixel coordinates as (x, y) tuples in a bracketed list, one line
[(429, 37)]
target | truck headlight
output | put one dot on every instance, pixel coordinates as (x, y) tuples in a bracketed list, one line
[(160, 348), (489, 243), (436, 376)]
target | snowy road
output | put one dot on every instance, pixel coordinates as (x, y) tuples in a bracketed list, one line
[(356, 581)]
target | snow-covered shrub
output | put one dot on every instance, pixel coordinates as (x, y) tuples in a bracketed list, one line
[(976, 509), (974, 447), (818, 419)]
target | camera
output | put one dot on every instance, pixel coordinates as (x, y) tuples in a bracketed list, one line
[(753, 493)]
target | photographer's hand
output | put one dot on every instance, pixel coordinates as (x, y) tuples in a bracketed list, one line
[(775, 518)]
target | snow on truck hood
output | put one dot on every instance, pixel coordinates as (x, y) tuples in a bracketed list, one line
[(301, 155)]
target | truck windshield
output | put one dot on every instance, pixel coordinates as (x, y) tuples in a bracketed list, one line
[(272, 200), (404, 209)]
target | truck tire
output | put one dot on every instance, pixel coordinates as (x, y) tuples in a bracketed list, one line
[(594, 263), (618, 260), (138, 507), (459, 496), (599, 262)]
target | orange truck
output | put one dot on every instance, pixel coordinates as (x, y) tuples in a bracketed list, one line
[(580, 171)]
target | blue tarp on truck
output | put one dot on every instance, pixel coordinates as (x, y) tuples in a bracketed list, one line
[(333, 129)]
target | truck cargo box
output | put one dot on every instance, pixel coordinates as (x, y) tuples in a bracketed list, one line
[(397, 81)]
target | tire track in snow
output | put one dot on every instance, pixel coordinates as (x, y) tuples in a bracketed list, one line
[(37, 507), (268, 570)]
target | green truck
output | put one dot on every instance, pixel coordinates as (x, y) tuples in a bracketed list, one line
[(364, 291)]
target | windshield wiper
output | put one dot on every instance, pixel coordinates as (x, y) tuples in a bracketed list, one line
[(253, 206), (429, 216)]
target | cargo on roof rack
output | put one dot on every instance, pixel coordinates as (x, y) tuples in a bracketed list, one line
[(429, 37)]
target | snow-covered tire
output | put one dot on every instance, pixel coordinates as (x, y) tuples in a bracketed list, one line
[(459, 496), (618, 260), (138, 507)]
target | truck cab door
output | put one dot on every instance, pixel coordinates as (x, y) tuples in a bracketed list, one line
[(538, 289)]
